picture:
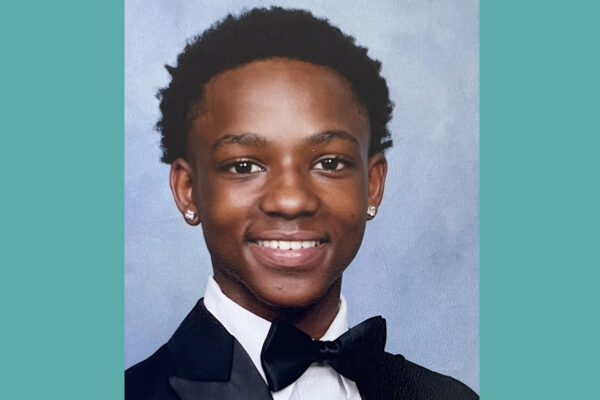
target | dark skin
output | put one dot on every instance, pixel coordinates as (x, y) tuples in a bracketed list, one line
[(278, 173)]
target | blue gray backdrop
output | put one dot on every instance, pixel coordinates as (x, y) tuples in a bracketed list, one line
[(419, 262)]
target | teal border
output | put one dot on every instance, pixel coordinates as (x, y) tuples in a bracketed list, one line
[(61, 284), (539, 200), (61, 258)]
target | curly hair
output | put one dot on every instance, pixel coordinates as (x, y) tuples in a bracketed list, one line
[(261, 34)]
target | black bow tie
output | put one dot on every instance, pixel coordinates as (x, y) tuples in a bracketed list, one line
[(288, 352)]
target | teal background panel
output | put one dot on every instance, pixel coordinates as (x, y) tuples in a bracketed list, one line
[(61, 220), (539, 200), (61, 255)]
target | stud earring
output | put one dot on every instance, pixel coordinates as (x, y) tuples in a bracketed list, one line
[(190, 215), (371, 211)]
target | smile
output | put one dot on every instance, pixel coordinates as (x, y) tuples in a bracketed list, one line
[(296, 254)]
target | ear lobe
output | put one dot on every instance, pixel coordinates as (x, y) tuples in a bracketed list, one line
[(181, 181), (377, 165)]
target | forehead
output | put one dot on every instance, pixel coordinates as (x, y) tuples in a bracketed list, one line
[(279, 97)]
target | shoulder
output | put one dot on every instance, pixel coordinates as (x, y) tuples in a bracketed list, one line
[(398, 378), (199, 349), (148, 379), (432, 385)]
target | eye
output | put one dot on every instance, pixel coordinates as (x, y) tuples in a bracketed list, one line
[(330, 164), (245, 167)]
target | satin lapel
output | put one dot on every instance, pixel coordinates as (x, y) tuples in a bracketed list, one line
[(210, 364), (201, 347), (382, 378), (392, 377), (245, 383)]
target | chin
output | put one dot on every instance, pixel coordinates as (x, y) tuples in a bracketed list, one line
[(292, 295), (290, 301)]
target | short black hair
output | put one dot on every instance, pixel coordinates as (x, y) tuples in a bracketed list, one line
[(263, 33)]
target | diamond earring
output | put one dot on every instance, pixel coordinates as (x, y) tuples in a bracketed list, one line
[(371, 211), (190, 215)]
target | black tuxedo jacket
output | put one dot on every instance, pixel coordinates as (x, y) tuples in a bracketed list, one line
[(203, 361)]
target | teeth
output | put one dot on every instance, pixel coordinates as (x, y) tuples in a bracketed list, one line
[(288, 244)]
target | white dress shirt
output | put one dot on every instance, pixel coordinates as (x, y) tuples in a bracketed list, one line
[(319, 381)]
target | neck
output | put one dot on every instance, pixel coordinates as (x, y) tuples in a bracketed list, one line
[(313, 319)]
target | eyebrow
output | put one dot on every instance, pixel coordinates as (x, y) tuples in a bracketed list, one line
[(252, 139), (328, 136)]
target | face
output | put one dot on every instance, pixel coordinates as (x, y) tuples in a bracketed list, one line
[(278, 172)]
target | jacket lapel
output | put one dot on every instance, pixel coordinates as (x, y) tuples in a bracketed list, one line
[(392, 377), (377, 378), (208, 363)]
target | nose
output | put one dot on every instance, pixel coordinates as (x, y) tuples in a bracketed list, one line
[(289, 194)]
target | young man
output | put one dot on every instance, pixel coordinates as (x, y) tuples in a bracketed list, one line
[(275, 126)]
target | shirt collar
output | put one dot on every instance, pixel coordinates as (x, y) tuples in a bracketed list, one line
[(251, 330)]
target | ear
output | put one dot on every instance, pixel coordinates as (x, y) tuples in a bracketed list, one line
[(181, 180), (377, 165)]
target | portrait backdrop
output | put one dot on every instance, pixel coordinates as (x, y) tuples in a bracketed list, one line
[(418, 265)]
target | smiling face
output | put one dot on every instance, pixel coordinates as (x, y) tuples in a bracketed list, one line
[(279, 175)]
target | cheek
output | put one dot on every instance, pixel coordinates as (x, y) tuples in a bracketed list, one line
[(346, 210), (222, 204), (346, 199)]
